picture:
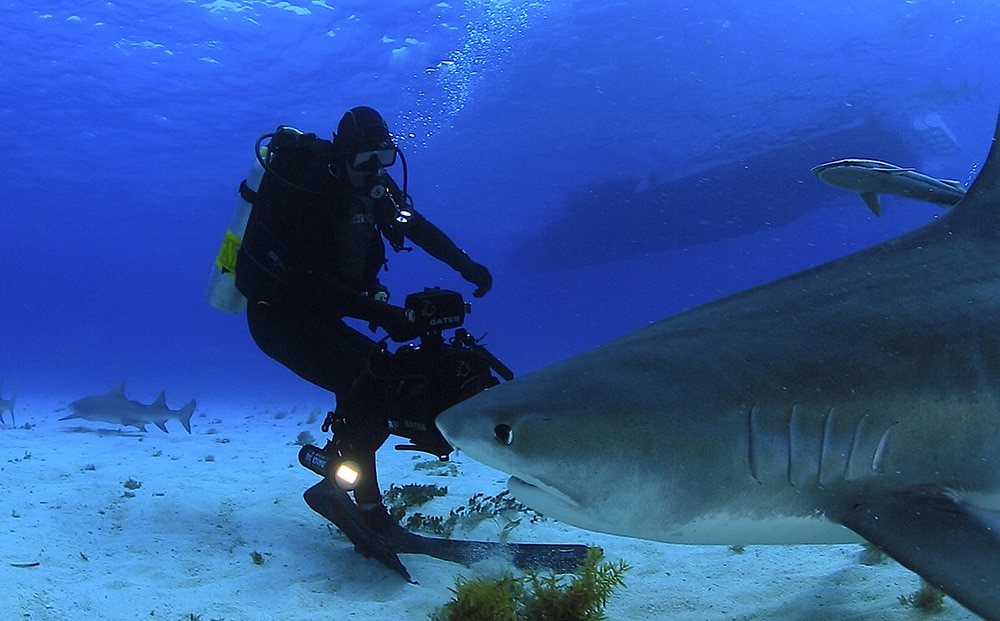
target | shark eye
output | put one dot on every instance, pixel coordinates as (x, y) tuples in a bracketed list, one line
[(504, 434)]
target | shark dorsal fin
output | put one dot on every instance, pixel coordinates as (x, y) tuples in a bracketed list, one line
[(118, 390), (978, 208), (161, 401)]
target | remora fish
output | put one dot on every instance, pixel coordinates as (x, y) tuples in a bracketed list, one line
[(869, 178), (7, 405), (860, 397), (114, 408)]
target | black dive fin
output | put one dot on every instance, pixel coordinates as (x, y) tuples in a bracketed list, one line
[(953, 546), (336, 506), (561, 559)]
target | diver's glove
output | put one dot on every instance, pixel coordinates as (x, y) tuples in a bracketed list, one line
[(396, 322), (477, 274)]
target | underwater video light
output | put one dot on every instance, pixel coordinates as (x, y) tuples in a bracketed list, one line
[(347, 474)]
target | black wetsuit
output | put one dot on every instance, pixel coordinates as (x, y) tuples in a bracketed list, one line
[(311, 256)]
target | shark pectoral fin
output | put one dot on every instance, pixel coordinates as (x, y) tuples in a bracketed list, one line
[(953, 546), (871, 199), (138, 424)]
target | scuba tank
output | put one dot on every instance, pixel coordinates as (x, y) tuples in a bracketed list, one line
[(222, 292)]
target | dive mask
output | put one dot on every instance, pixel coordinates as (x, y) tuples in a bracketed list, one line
[(370, 160)]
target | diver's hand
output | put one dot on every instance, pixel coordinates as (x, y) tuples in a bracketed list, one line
[(478, 275), (396, 322)]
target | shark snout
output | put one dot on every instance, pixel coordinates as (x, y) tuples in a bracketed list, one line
[(499, 443), (450, 424), (474, 432), (487, 436)]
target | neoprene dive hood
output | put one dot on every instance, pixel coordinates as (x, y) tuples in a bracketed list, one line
[(363, 129)]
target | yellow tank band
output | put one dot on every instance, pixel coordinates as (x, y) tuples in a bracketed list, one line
[(226, 259)]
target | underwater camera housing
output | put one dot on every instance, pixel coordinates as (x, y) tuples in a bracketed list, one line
[(414, 384), (435, 309)]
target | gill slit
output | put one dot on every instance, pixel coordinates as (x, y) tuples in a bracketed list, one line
[(825, 448), (752, 447), (880, 451), (859, 430), (793, 446)]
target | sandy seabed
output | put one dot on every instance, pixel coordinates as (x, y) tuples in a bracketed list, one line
[(100, 522)]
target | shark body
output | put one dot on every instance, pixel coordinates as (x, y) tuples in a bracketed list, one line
[(859, 399), (115, 409), (869, 178)]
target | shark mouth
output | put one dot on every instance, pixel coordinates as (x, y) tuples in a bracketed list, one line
[(541, 497), (554, 504)]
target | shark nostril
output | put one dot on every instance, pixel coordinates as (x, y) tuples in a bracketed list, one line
[(504, 434)]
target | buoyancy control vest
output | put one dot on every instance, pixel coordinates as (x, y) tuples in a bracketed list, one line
[(310, 232)]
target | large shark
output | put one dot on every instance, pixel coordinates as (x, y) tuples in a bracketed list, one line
[(114, 408), (857, 399), (869, 178)]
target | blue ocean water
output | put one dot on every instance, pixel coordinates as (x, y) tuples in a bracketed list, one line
[(551, 139)]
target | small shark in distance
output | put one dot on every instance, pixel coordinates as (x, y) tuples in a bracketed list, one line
[(869, 178), (7, 405), (856, 399), (114, 408)]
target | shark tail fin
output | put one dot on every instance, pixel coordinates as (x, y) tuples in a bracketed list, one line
[(978, 208), (9, 407), (185, 413)]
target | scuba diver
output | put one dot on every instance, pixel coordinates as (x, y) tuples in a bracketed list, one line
[(310, 257)]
